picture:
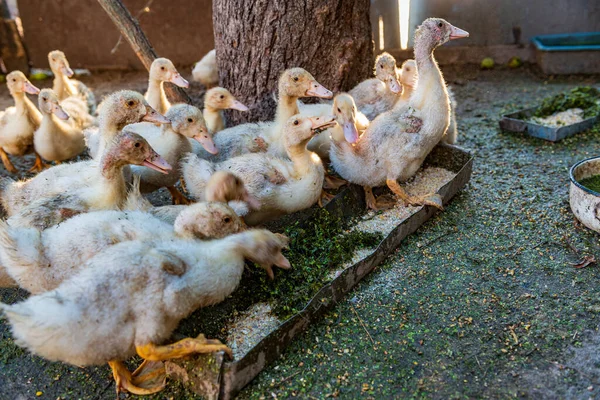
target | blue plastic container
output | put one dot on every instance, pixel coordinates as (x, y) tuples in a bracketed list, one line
[(568, 53)]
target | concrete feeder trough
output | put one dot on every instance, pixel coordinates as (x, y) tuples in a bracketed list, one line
[(569, 53), (585, 203), (519, 122), (214, 377)]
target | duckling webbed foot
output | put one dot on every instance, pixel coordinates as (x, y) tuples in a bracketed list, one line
[(182, 348), (325, 196), (432, 199), (333, 182), (377, 204), (178, 197), (39, 165), (7, 163), (142, 384)]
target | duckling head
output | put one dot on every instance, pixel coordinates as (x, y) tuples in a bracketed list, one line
[(344, 112), (385, 71), (208, 220), (128, 107), (17, 82), (408, 75), (434, 32), (59, 64), (49, 104), (219, 98), (299, 130), (162, 69), (188, 121), (266, 250), (297, 82), (224, 187), (130, 148)]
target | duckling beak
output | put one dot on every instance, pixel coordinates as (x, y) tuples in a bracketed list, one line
[(153, 116), (319, 124), (393, 85), (206, 141), (318, 90), (457, 33), (67, 71), (236, 105), (350, 132), (157, 163), (29, 88), (178, 80), (59, 112)]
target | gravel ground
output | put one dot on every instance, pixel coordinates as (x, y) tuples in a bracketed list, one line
[(483, 301)]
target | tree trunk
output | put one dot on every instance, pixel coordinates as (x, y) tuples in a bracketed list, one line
[(12, 47), (140, 44), (257, 40)]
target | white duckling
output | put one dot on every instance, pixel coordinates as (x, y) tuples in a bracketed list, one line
[(80, 186), (18, 123), (396, 143), (59, 137), (205, 71), (116, 111), (39, 261), (162, 70), (172, 141), (408, 79), (64, 87), (281, 185), (452, 132), (255, 137), (133, 295), (377, 95), (215, 101)]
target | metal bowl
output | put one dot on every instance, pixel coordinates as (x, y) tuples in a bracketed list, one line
[(585, 203)]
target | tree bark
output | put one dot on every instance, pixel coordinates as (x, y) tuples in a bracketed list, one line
[(12, 47), (140, 44), (257, 40)]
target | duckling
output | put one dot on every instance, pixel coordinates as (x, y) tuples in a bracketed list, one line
[(134, 294), (216, 100), (56, 139), (87, 185), (408, 79), (452, 132), (205, 71), (162, 70), (18, 123), (255, 137), (40, 261), (172, 142), (63, 86), (281, 185), (117, 110), (377, 95), (396, 143)]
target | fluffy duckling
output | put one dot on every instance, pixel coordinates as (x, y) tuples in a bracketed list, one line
[(396, 143), (116, 111), (39, 261), (63, 86), (162, 70), (87, 185), (408, 79), (216, 100), (18, 123), (172, 141), (377, 95), (58, 138), (452, 132), (254, 137), (281, 185), (134, 294), (205, 71)]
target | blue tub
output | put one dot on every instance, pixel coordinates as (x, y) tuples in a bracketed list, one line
[(569, 53)]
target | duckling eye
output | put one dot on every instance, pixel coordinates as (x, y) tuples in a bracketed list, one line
[(162, 68), (131, 103), (440, 24), (14, 80), (407, 69), (296, 122), (222, 96), (295, 79), (227, 220), (190, 120), (339, 110), (137, 144)]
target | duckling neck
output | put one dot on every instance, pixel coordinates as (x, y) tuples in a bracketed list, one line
[(304, 161), (24, 106), (113, 181), (62, 85), (213, 117), (287, 107), (156, 96)]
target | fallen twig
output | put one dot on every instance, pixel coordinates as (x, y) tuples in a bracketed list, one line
[(363, 325)]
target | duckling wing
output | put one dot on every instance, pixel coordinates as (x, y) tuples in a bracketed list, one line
[(236, 141), (86, 95)]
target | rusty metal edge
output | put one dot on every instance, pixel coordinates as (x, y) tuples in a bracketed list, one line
[(237, 374)]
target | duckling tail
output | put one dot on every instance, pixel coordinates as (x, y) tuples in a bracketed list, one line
[(20, 248)]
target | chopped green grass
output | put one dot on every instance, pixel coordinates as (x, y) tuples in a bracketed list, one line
[(592, 183), (585, 97)]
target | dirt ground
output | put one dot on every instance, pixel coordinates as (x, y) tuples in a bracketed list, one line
[(482, 302)]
